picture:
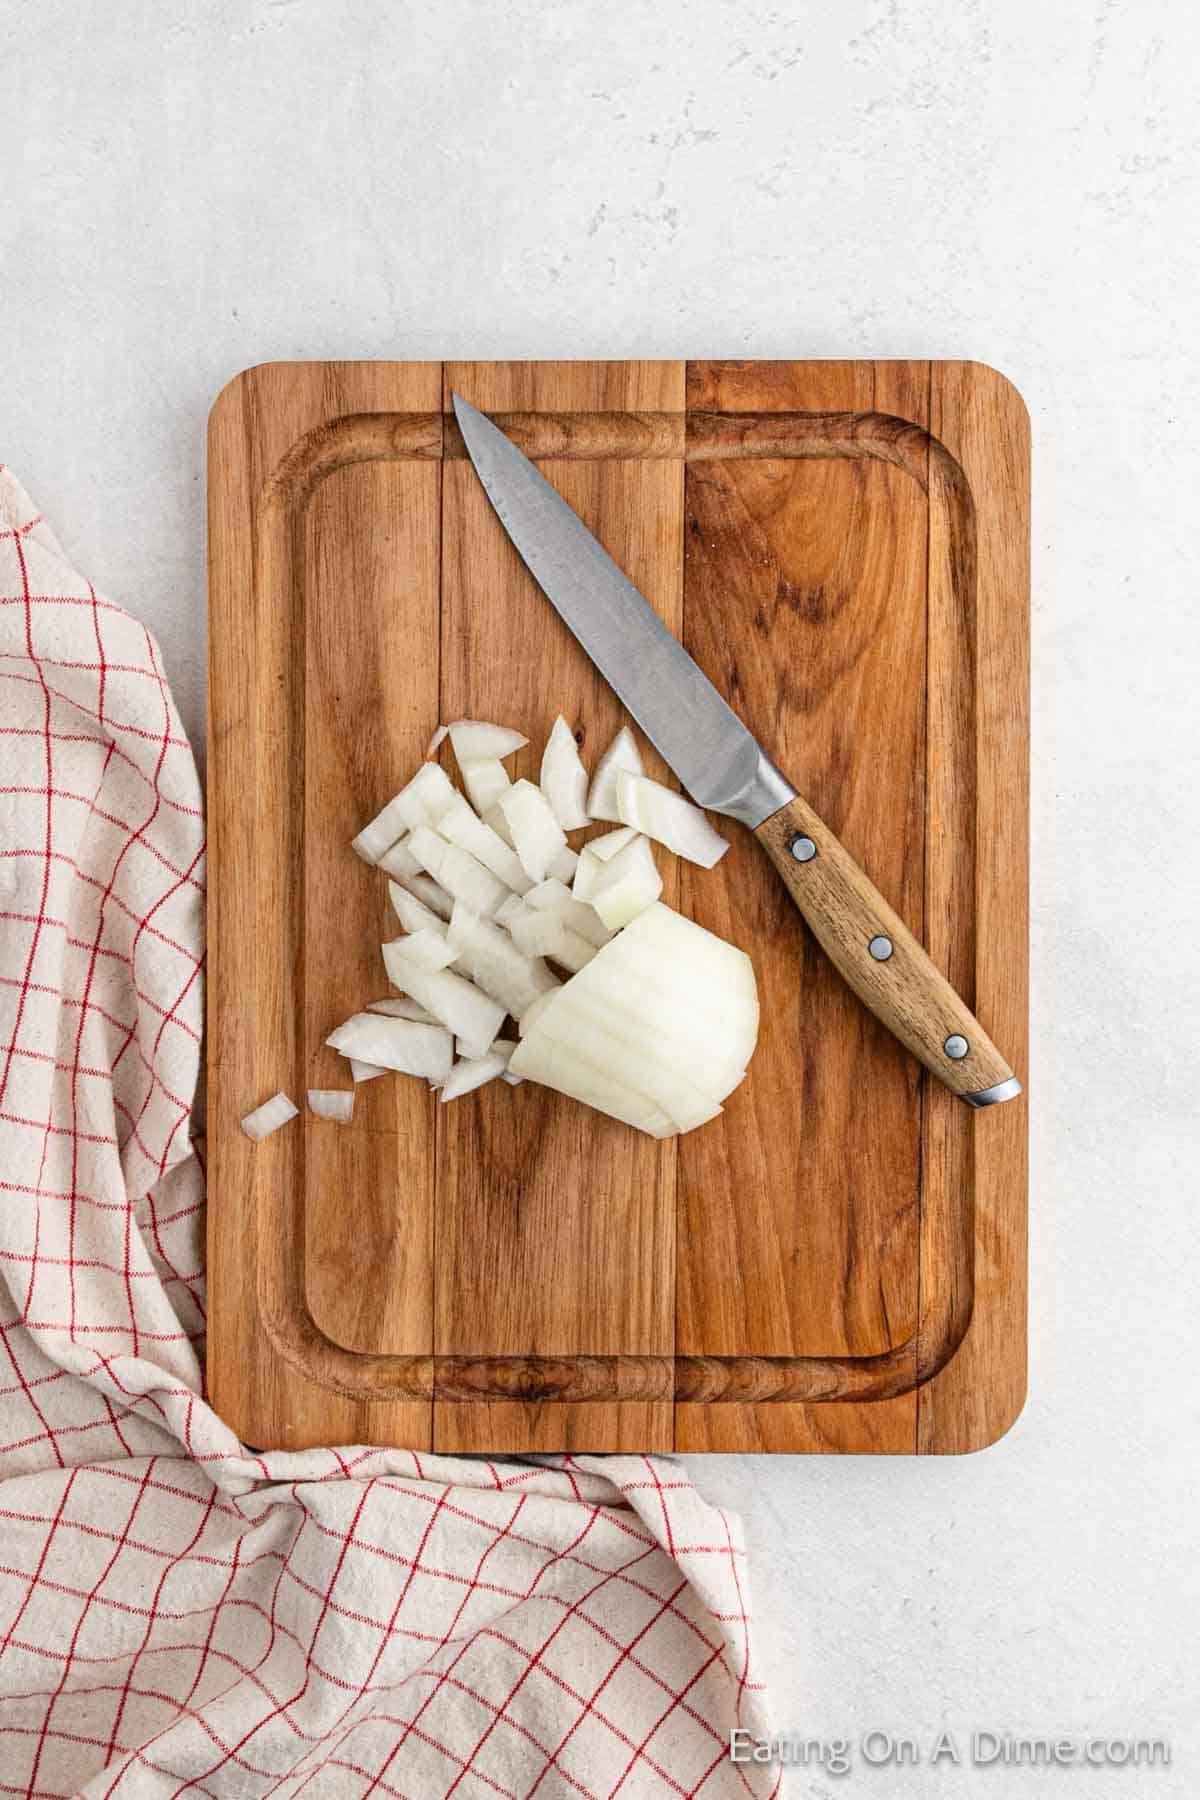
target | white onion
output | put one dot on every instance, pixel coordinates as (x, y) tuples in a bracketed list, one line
[(661, 1022), (332, 1103), (412, 913), (526, 1025), (497, 964), (428, 949), (563, 866), (627, 885), (396, 1043), (553, 897), (475, 739), (536, 833), (268, 1117), (564, 779), (457, 871), (499, 824), (454, 1001), (471, 1073), (508, 910), (399, 861), (545, 934), (606, 847), (669, 819), (622, 753), (430, 893), (401, 1009), (459, 825), (436, 741), (485, 781), (364, 1071)]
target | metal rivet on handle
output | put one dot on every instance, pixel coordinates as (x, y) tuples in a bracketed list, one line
[(802, 848), (956, 1046), (880, 948)]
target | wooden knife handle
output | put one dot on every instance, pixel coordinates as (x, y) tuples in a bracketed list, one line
[(880, 958)]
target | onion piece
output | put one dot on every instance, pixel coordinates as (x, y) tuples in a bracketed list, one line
[(563, 866), (497, 964), (364, 1071), (537, 835), (622, 753), (606, 847), (412, 913), (474, 740), (471, 1073), (545, 934), (512, 1080), (670, 819), (428, 949), (436, 741), (627, 885), (554, 1065), (457, 871), (594, 856), (526, 1025), (499, 824), (399, 862), (508, 910), (430, 893), (485, 781), (397, 1043), (332, 1103), (455, 1002), (553, 897), (564, 779), (268, 1117), (401, 1009), (459, 825)]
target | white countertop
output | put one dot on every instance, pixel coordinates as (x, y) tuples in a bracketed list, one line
[(190, 189)]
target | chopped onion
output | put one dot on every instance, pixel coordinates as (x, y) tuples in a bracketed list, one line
[(402, 1009), (537, 835), (430, 893), (459, 825), (564, 779), (545, 934), (364, 1071), (436, 741), (499, 824), (485, 781), (669, 819), (471, 1073), (268, 1117), (622, 753), (512, 1080), (457, 871), (397, 1043), (497, 964), (428, 949), (553, 897), (400, 862), (508, 910), (474, 740), (455, 1002), (412, 913), (332, 1103), (661, 1022), (627, 885), (527, 1024), (606, 847), (563, 866)]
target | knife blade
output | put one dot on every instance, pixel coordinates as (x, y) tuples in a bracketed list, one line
[(724, 768)]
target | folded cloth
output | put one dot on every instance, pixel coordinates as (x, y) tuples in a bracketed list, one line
[(177, 1614)]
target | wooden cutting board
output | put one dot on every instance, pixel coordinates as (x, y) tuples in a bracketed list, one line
[(838, 1263)]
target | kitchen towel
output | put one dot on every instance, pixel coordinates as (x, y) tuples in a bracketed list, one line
[(179, 1615)]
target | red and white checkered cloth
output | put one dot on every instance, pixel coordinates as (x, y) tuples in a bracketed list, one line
[(177, 1615)]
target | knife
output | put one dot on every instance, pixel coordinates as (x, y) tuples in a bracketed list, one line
[(725, 769)]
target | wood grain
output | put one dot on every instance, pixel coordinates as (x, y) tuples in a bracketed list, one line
[(512, 1273)]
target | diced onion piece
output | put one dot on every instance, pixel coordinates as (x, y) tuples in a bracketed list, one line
[(457, 871), (332, 1103), (552, 896), (428, 949), (269, 1117), (419, 802), (627, 885), (536, 833), (430, 893), (399, 862), (402, 1009), (499, 824), (512, 1080), (564, 779), (436, 741), (400, 1044), (457, 1003), (594, 856), (662, 1021), (474, 740), (471, 1073), (485, 781), (545, 934), (497, 964), (459, 825), (564, 865), (508, 910), (622, 753), (670, 819), (606, 847), (527, 1024), (364, 1071), (412, 913)]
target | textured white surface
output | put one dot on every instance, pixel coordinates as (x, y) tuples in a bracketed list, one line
[(192, 188)]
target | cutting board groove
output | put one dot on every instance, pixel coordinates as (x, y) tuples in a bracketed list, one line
[(844, 548)]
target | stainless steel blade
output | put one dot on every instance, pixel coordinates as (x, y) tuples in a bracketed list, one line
[(718, 761)]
